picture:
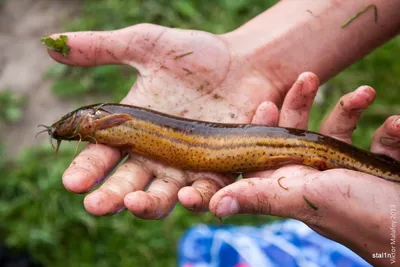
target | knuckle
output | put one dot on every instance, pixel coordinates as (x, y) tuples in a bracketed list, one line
[(173, 182), (263, 205)]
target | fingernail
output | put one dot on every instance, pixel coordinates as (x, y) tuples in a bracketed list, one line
[(361, 88), (227, 206), (302, 76), (387, 141), (397, 122)]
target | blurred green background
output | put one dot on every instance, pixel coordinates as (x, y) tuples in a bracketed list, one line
[(37, 213)]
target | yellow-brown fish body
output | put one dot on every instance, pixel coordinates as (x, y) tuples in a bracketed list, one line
[(215, 147)]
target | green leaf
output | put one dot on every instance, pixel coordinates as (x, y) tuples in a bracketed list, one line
[(58, 45)]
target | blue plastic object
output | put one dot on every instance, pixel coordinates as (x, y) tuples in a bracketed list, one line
[(286, 243)]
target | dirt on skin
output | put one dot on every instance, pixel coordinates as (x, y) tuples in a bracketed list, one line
[(23, 62)]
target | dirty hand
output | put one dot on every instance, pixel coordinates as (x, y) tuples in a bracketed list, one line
[(352, 208), (182, 72)]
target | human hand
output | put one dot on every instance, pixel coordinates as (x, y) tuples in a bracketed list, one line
[(355, 209), (182, 72)]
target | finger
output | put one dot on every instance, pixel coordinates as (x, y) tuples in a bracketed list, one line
[(197, 196), (109, 198), (298, 102), (267, 113), (386, 139), (90, 167), (276, 195), (342, 121), (159, 200), (125, 46)]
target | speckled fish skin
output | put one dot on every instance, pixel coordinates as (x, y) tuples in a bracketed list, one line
[(215, 147)]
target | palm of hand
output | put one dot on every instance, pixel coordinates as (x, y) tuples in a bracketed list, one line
[(192, 74)]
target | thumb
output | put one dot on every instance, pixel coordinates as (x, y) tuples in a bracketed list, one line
[(279, 195), (131, 45)]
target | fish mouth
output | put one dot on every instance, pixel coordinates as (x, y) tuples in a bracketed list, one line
[(47, 129), (52, 134)]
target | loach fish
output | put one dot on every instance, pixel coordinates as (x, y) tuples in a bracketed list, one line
[(214, 147)]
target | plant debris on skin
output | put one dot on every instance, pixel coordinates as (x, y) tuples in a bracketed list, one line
[(361, 12), (183, 55), (58, 45), (279, 182), (310, 204)]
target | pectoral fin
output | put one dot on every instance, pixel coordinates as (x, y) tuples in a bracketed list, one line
[(112, 120)]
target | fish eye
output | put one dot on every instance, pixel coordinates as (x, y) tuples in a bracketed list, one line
[(97, 114), (94, 113)]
